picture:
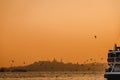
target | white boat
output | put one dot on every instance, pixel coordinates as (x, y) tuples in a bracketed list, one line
[(113, 71)]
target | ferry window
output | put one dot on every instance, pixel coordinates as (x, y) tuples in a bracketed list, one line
[(118, 59), (111, 55), (110, 59), (118, 49), (118, 54)]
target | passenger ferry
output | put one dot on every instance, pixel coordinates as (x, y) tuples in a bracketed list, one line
[(113, 71)]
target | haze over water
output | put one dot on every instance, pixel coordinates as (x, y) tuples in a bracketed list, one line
[(33, 30), (76, 31)]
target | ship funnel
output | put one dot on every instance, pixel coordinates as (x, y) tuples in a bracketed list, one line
[(115, 47)]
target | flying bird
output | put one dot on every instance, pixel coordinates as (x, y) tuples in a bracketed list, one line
[(12, 61), (23, 62), (95, 36)]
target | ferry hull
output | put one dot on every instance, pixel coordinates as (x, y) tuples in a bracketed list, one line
[(112, 76)]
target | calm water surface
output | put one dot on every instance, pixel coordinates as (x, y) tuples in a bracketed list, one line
[(52, 76)]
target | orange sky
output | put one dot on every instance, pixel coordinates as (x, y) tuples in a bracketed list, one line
[(33, 30)]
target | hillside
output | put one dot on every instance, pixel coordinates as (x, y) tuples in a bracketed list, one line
[(59, 66)]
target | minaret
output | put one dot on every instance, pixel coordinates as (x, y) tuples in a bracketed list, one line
[(54, 60), (61, 61)]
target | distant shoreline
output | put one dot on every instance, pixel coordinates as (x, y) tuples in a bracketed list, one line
[(56, 66)]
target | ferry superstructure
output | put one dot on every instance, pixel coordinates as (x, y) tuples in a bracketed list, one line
[(113, 71)]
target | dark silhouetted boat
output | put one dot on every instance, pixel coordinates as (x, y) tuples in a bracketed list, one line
[(113, 71)]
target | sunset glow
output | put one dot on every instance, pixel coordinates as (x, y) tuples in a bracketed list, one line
[(33, 30)]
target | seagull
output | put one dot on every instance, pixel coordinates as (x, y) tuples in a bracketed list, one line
[(95, 36), (12, 61)]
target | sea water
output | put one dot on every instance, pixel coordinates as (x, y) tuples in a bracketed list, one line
[(59, 75)]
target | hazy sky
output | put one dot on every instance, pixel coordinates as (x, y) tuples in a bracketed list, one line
[(33, 30)]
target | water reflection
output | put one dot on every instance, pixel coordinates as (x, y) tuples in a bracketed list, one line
[(52, 76)]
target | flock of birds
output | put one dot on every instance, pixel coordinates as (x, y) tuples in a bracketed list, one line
[(95, 36)]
